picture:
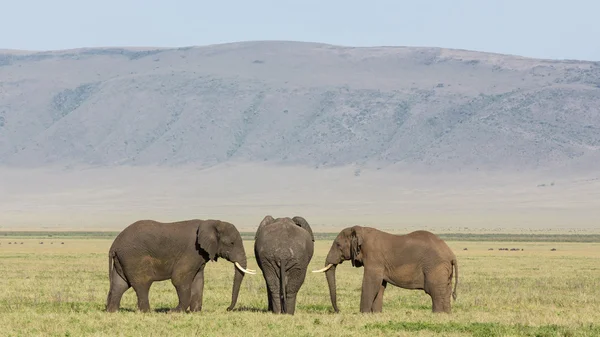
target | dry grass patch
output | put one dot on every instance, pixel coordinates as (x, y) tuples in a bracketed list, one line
[(60, 290)]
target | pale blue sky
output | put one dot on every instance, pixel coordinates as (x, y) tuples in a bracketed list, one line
[(535, 28)]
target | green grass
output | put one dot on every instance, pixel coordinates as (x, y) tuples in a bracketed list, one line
[(487, 329), (60, 290)]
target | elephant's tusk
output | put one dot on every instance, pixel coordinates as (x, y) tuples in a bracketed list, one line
[(251, 270), (324, 269), (247, 271)]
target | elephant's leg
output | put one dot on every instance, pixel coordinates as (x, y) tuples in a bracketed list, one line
[(443, 299), (295, 279), (184, 292), (269, 298), (440, 302), (440, 290), (197, 291), (291, 303), (118, 286), (273, 288), (142, 290), (182, 278), (378, 304), (371, 284)]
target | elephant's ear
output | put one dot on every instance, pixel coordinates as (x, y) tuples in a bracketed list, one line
[(208, 238), (356, 241), (267, 220), (301, 222)]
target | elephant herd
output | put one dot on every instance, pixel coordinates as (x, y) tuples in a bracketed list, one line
[(148, 251)]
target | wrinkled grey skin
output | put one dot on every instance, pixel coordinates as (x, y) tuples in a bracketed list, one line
[(283, 248), (417, 260), (148, 251)]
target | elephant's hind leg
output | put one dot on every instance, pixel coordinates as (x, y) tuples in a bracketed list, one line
[(441, 293), (269, 298), (118, 286), (273, 283), (440, 302), (295, 279)]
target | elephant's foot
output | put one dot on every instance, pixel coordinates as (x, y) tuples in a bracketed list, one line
[(177, 309), (441, 305), (112, 308)]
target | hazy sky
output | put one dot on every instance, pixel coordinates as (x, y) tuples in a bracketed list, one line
[(536, 28)]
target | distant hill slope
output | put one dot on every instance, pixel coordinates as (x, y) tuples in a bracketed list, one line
[(298, 103)]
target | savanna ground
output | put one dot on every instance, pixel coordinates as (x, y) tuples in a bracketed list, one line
[(55, 289)]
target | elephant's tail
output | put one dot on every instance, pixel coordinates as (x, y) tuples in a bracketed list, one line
[(111, 263), (455, 264), (282, 287)]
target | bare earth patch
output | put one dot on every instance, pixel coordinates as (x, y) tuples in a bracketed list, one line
[(331, 199)]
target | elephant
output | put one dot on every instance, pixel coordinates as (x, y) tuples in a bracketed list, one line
[(148, 251), (417, 260), (283, 248)]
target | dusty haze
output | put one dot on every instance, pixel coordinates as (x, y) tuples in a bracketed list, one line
[(393, 137)]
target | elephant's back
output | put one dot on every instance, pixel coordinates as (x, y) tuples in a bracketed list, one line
[(431, 243), (148, 232), (283, 240)]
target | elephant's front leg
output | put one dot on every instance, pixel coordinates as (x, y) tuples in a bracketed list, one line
[(141, 290), (371, 285), (183, 285), (197, 291), (378, 304)]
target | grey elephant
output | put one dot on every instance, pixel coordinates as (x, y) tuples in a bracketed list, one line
[(148, 251), (417, 260), (283, 248)]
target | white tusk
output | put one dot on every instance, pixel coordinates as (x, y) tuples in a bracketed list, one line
[(244, 270), (324, 269), (252, 270)]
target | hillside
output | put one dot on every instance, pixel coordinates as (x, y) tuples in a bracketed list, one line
[(293, 103)]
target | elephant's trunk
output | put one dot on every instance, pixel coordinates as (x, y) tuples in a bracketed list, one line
[(330, 274), (237, 281)]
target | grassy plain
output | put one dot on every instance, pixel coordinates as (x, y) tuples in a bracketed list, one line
[(55, 289)]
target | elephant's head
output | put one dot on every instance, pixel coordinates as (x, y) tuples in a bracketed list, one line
[(346, 246), (222, 239)]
